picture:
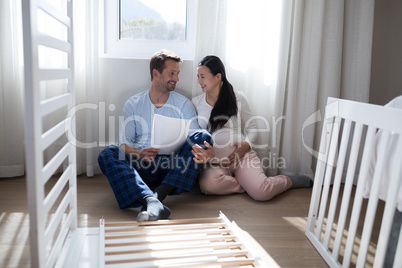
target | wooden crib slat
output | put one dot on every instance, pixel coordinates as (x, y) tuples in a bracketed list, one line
[(164, 222), (234, 245), (185, 245), (223, 254), (205, 262), (210, 238), (187, 233), (226, 263), (164, 227), (337, 181)]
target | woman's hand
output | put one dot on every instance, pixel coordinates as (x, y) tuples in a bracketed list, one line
[(239, 152), (202, 155)]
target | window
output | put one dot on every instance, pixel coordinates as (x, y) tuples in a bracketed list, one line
[(139, 28)]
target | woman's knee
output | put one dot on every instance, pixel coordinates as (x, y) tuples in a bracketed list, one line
[(259, 195), (210, 182)]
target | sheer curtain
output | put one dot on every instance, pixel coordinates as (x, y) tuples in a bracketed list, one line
[(11, 87), (288, 57), (86, 34), (329, 56), (11, 98)]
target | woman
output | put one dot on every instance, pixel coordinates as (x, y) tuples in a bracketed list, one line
[(234, 167)]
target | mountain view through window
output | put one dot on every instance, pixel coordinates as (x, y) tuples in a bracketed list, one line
[(153, 20)]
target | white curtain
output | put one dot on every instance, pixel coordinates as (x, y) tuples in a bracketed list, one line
[(11, 98), (11, 88), (86, 36), (329, 56), (288, 57)]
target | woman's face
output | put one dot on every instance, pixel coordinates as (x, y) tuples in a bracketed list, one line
[(208, 82)]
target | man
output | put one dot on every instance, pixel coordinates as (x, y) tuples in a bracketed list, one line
[(136, 172)]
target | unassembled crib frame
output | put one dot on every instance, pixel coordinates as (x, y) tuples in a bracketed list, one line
[(202, 242), (347, 147)]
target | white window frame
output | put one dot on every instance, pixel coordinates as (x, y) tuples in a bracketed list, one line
[(111, 46)]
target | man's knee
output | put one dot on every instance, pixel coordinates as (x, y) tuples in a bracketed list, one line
[(108, 153), (199, 137)]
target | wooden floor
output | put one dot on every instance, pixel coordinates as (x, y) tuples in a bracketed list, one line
[(277, 225)]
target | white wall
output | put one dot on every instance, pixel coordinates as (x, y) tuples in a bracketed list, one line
[(386, 69)]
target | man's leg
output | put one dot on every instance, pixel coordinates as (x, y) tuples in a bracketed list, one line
[(127, 184), (183, 170), (129, 180)]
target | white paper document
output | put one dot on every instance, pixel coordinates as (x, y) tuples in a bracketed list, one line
[(169, 134)]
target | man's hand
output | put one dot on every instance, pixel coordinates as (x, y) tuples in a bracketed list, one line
[(202, 155), (148, 154)]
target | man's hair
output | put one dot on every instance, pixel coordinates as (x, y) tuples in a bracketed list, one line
[(159, 58)]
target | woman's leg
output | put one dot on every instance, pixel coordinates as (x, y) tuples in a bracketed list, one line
[(216, 180), (251, 177)]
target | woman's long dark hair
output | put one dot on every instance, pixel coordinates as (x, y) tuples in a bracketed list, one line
[(226, 105)]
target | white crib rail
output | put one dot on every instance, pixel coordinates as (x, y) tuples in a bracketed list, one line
[(53, 212), (343, 157)]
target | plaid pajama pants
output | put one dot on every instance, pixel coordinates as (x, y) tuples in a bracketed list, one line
[(131, 179)]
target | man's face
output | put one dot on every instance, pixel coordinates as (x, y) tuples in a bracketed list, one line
[(170, 75)]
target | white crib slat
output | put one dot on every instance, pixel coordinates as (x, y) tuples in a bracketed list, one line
[(358, 200), (55, 13), (50, 105), (398, 252), (55, 162), (390, 205), (54, 74), (57, 189), (58, 245), (52, 42), (348, 188), (319, 176), (334, 129), (50, 136), (101, 263), (372, 206), (337, 181), (57, 217)]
